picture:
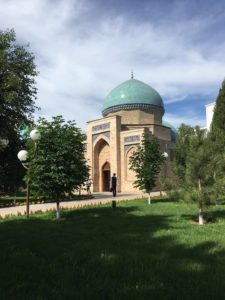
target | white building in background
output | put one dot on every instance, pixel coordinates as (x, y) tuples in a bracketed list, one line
[(209, 108)]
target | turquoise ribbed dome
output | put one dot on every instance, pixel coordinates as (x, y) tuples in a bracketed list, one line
[(132, 93)]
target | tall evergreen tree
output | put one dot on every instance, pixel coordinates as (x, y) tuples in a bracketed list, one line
[(181, 151), (216, 143), (195, 165), (198, 172), (146, 163), (218, 122)]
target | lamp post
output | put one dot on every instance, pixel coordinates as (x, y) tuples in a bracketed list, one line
[(165, 154), (23, 157)]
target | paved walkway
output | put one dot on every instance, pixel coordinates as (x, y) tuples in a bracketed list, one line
[(100, 198)]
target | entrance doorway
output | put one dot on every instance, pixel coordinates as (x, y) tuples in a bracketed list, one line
[(106, 177)]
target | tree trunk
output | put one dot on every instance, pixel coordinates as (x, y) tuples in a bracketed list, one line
[(200, 210), (80, 192), (57, 209), (28, 200), (149, 199), (214, 177), (200, 216), (15, 194), (114, 204)]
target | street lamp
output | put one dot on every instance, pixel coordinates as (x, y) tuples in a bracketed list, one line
[(23, 157), (165, 154), (35, 135)]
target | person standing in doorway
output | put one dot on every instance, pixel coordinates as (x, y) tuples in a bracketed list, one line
[(113, 184)]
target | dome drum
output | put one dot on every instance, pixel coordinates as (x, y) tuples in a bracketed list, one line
[(133, 106)]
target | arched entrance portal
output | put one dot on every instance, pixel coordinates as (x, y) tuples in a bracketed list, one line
[(101, 166), (106, 177)]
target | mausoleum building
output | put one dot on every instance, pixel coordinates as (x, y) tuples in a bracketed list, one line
[(130, 110)]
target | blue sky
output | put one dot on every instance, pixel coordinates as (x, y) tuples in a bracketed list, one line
[(85, 48)]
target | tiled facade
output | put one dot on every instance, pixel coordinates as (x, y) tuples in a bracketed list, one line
[(111, 141)]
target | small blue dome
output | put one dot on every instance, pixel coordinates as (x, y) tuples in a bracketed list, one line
[(173, 130)]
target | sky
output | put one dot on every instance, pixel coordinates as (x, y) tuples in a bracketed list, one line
[(85, 48)]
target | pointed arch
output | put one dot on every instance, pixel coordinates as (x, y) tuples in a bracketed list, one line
[(101, 153), (129, 174), (99, 138)]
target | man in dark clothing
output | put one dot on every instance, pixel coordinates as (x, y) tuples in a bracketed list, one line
[(113, 184)]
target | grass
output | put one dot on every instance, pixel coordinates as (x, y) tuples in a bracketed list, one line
[(136, 251)]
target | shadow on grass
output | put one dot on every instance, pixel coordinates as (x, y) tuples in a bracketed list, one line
[(211, 216), (100, 253), (163, 199), (216, 214)]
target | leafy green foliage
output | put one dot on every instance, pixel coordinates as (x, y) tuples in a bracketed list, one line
[(181, 150), (146, 163), (218, 122), (197, 176), (198, 159), (216, 140), (57, 165), (17, 96), (11, 170), (17, 84)]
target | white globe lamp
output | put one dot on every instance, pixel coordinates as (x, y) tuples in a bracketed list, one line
[(35, 135), (22, 155), (165, 154)]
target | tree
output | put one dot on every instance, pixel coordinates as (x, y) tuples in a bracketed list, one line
[(181, 150), (146, 163), (216, 142), (17, 102), (198, 172), (11, 170), (218, 122), (17, 84), (57, 164), (200, 159), (194, 166)]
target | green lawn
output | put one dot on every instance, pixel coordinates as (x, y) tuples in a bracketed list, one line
[(137, 251)]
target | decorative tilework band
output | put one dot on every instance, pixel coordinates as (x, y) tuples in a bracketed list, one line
[(130, 107), (132, 138), (101, 127), (105, 134)]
